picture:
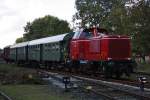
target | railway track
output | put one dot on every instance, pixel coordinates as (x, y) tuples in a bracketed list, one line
[(115, 90), (109, 93), (107, 90), (133, 82), (3, 96)]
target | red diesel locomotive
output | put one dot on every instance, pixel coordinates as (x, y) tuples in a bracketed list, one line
[(110, 54)]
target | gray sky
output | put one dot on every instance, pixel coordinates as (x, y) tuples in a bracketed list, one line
[(15, 13)]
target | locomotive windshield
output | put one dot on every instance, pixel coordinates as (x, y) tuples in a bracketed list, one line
[(83, 35), (86, 35)]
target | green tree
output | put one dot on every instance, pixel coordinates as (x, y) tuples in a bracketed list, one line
[(18, 40), (92, 12), (43, 27), (111, 14), (118, 20), (140, 17)]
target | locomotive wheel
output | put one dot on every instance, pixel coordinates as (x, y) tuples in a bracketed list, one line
[(118, 73), (95, 68), (107, 71), (128, 71)]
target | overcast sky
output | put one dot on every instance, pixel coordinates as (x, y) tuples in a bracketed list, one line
[(14, 14)]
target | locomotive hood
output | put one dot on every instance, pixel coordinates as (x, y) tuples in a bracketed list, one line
[(90, 33), (95, 33)]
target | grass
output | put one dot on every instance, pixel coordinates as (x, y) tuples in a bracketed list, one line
[(144, 68), (18, 84), (11, 74), (13, 68), (33, 92)]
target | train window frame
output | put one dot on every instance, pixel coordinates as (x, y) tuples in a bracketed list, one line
[(49, 45), (52, 46), (57, 46)]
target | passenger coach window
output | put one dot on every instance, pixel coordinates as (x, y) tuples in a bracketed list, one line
[(53, 46)]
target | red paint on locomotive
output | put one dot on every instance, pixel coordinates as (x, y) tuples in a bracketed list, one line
[(100, 47)]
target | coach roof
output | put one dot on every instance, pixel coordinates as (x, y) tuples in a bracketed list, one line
[(50, 39)]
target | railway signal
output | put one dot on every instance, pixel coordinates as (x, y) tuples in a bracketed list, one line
[(142, 81), (66, 81)]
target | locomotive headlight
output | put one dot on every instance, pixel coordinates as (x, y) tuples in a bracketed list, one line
[(109, 58), (128, 58)]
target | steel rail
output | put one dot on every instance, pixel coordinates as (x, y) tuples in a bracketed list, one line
[(142, 96), (99, 93), (5, 96)]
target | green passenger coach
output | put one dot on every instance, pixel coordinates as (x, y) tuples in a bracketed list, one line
[(49, 49), (18, 52), (42, 51), (12, 55)]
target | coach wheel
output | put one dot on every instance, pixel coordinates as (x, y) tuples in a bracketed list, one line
[(117, 75)]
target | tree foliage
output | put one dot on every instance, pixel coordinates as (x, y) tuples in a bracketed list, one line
[(43, 27), (18, 40), (140, 18), (118, 19), (92, 12)]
